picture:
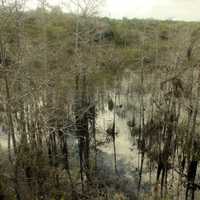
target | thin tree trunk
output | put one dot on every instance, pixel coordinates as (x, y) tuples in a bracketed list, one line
[(10, 119), (114, 137)]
